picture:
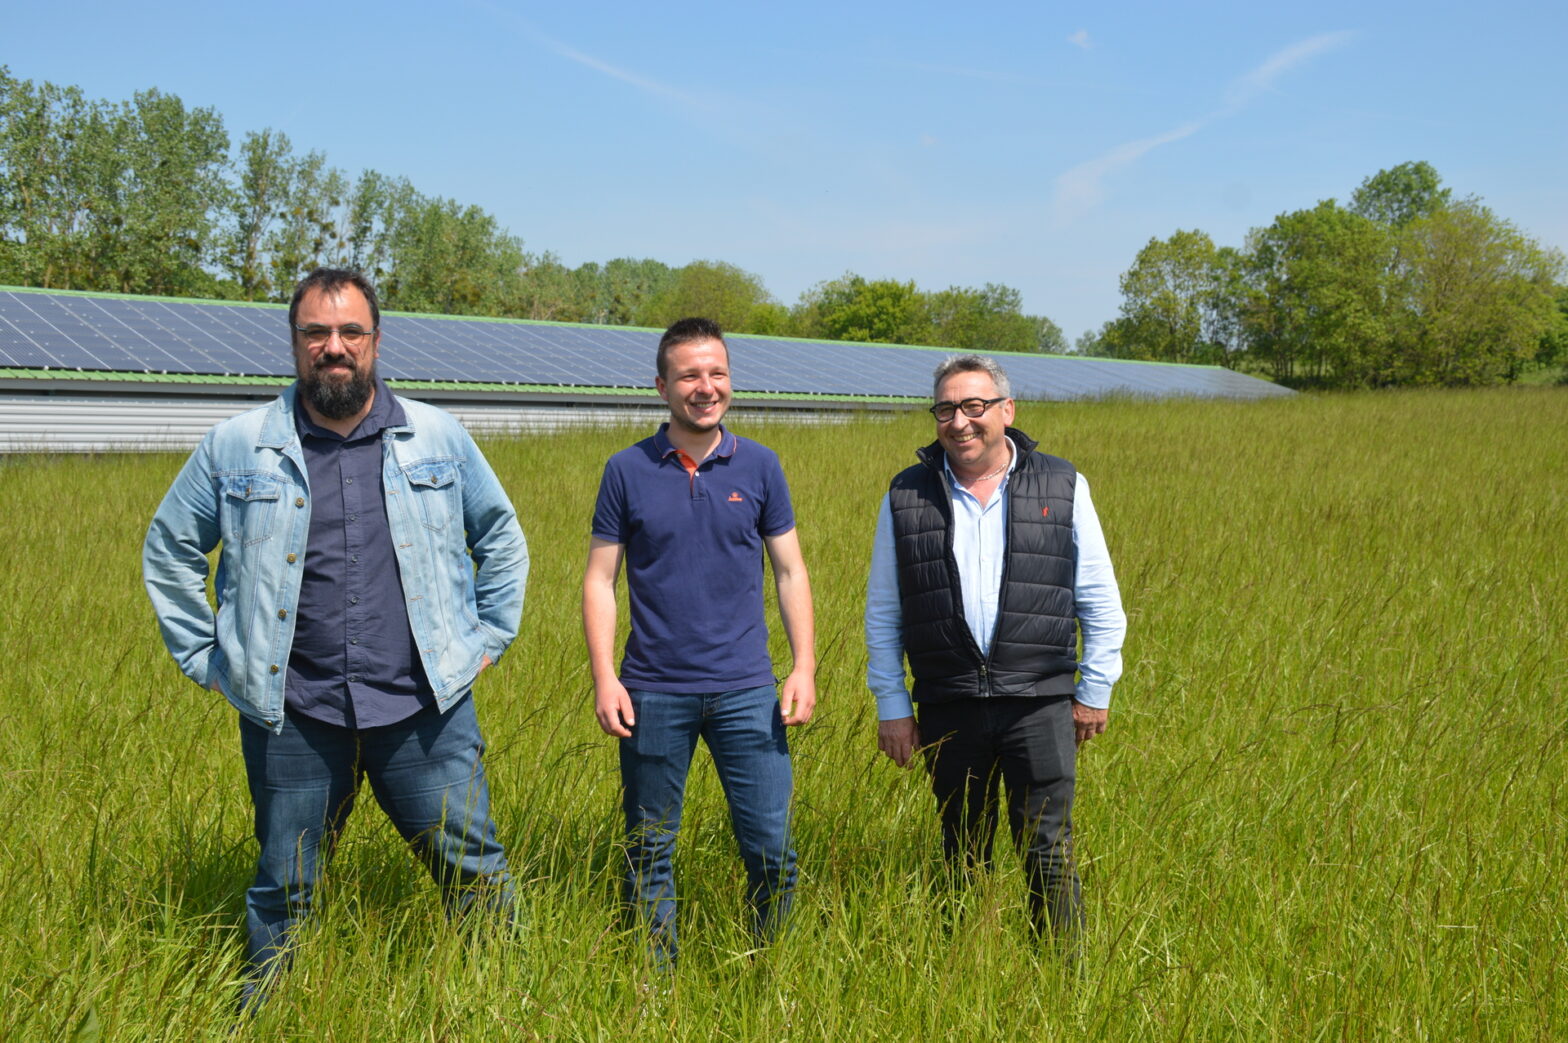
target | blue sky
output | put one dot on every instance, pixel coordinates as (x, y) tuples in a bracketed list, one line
[(1037, 145)]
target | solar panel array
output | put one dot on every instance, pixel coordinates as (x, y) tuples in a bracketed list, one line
[(41, 330)]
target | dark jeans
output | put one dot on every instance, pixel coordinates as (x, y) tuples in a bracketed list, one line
[(427, 775), (973, 746), (745, 734)]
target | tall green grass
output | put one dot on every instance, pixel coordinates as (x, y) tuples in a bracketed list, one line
[(1331, 802)]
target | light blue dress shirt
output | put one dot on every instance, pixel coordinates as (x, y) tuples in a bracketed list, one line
[(980, 547)]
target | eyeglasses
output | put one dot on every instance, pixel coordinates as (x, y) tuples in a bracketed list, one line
[(351, 336), (972, 408)]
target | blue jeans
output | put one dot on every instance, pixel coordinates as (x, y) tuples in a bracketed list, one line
[(745, 734), (427, 775)]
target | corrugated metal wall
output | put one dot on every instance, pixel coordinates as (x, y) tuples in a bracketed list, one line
[(58, 423)]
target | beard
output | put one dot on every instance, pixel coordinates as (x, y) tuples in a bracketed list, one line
[(338, 399)]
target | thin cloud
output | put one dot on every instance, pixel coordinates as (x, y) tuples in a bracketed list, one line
[(1261, 79), (642, 83), (1081, 187), (1080, 39)]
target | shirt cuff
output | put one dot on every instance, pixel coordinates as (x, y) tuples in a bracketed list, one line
[(1094, 695), (894, 706)]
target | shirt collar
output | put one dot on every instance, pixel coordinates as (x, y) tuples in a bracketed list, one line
[(1012, 462), (725, 448)]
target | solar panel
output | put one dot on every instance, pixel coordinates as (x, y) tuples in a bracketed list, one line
[(44, 330)]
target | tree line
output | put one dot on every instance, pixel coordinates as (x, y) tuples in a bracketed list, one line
[(145, 196), (1406, 285)]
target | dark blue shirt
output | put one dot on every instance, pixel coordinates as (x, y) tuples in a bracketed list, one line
[(693, 533), (354, 662)]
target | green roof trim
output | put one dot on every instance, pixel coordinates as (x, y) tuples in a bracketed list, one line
[(186, 379)]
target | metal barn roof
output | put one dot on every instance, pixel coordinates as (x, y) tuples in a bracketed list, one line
[(126, 360)]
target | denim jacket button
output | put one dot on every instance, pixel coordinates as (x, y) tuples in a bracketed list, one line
[(272, 669), (283, 613), (291, 559), (299, 501)]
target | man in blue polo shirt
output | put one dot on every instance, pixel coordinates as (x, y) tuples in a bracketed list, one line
[(690, 511)]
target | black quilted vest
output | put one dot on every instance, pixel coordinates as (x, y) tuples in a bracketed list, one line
[(1034, 649)]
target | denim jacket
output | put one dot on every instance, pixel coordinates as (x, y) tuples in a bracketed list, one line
[(460, 553)]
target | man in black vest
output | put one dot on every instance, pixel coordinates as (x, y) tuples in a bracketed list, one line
[(989, 562)]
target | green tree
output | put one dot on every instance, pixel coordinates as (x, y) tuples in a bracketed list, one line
[(1048, 336), (260, 197), (1318, 312), (1165, 295), (712, 289), (1553, 349), (1480, 297), (449, 259), (371, 213), (1402, 194), (618, 292), (987, 319), (44, 142), (549, 290), (852, 308), (157, 235), (307, 233), (1108, 342)]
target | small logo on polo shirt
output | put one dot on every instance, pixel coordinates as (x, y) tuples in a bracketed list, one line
[(736, 497), (1045, 512)]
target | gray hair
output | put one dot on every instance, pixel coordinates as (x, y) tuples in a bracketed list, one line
[(972, 364)]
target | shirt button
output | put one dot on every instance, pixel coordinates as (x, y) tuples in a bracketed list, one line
[(356, 641), (283, 613), (292, 559), (355, 559), (299, 501), (353, 517), (354, 600), (348, 481)]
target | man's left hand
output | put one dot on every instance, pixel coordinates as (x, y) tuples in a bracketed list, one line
[(1088, 722), (798, 697)]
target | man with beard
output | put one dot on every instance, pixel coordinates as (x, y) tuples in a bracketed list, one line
[(690, 511), (371, 568)]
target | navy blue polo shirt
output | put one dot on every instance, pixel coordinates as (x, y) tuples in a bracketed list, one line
[(693, 533), (354, 662)]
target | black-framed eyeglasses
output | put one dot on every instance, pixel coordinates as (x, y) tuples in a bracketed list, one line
[(351, 335), (971, 407)]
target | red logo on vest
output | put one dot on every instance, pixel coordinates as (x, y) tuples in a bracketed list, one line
[(1045, 512)]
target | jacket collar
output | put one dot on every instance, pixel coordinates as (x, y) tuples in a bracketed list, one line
[(278, 430)]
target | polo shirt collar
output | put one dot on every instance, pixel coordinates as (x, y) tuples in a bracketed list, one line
[(725, 448)]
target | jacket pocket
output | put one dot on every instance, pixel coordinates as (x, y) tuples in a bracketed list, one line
[(250, 507), (437, 492)]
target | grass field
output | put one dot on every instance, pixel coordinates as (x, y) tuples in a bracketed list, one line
[(1331, 803)]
